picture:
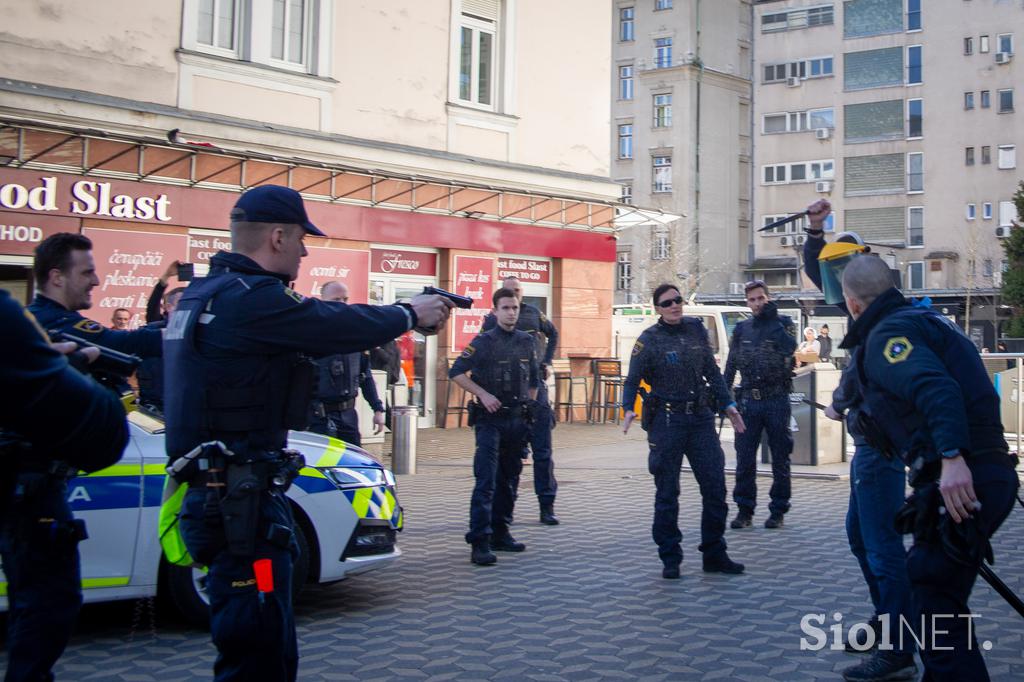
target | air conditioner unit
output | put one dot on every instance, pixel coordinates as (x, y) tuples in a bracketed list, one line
[(786, 241), (1003, 57), (823, 186), (823, 133), (793, 82), (800, 239), (736, 288), (1003, 231)]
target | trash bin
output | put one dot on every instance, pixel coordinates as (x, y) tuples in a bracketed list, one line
[(816, 438), (403, 430)]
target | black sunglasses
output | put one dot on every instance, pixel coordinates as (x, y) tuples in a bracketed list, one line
[(670, 301), (754, 284)]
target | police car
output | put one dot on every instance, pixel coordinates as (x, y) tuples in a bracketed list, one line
[(344, 502)]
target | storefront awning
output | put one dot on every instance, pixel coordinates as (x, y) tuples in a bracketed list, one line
[(631, 216)]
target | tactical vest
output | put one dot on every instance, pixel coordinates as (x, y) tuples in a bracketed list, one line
[(338, 377), (761, 363), (507, 373)]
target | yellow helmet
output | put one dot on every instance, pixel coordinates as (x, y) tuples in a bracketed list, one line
[(833, 260)]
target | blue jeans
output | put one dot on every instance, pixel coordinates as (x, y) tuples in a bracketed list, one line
[(771, 415), (877, 490), (671, 436), (496, 465)]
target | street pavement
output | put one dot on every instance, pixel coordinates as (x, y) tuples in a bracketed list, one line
[(585, 601)]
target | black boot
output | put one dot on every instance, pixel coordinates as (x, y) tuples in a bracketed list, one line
[(506, 543), (773, 521), (547, 514), (721, 563), (742, 520), (670, 572), (883, 666), (482, 554)]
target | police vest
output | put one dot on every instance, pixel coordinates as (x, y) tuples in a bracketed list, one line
[(762, 363), (338, 377)]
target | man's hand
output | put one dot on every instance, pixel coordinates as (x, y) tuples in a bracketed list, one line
[(831, 413), (627, 421), (171, 271), (817, 212), (957, 487), (490, 403), (90, 353), (431, 312), (378, 422), (736, 419)]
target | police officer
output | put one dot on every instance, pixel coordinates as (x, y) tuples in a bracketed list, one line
[(926, 389), (536, 324), (339, 378), (65, 275), (235, 383), (762, 349), (505, 376), (54, 421), (675, 358), (150, 374)]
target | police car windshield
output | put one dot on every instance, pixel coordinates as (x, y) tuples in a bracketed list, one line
[(146, 421)]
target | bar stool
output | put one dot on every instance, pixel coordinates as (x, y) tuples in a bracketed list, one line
[(607, 391), (459, 407), (565, 384)]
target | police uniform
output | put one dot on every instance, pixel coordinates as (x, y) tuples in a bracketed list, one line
[(532, 321), (677, 362), (339, 379), (234, 374), (762, 349), (926, 389), (150, 376), (145, 342), (47, 410), (503, 363)]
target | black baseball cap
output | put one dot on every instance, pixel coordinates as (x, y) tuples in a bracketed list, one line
[(273, 204)]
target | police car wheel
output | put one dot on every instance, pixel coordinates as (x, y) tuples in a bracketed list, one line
[(185, 588)]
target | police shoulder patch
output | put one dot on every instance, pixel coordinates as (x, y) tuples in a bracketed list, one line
[(897, 349), (468, 351), (89, 326), (637, 348), (296, 296)]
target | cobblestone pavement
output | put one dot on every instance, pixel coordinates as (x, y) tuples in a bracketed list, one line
[(585, 601)]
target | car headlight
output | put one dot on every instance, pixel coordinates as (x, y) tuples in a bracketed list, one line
[(358, 477)]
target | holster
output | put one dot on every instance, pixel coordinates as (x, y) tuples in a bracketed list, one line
[(239, 508), (650, 406), (472, 412), (875, 435)]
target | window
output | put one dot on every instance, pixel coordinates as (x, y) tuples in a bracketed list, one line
[(1004, 41), (801, 171), (478, 57), (915, 172), (986, 99), (972, 211), (986, 210), (626, 24), (796, 227), (662, 173), (968, 46), (969, 156), (915, 226), (983, 44), (863, 18), (624, 271), (627, 193), (821, 118), (818, 67), (914, 75), (1007, 156), (663, 111), (659, 246), (968, 100), (915, 275), (987, 267), (797, 18), (626, 141), (798, 121), (662, 4), (915, 118), (662, 53), (281, 33), (626, 82), (986, 155), (1005, 100), (775, 174), (1007, 213), (913, 15), (875, 68)]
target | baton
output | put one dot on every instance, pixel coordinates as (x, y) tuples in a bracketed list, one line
[(784, 221), (999, 586), (814, 404)]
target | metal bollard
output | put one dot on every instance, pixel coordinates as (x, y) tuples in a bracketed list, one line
[(403, 431)]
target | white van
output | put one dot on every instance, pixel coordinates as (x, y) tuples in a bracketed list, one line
[(629, 321)]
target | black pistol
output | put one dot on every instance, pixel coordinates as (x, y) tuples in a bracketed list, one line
[(110, 363), (459, 301)]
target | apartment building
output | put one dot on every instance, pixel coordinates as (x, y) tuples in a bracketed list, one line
[(446, 143), (680, 144), (902, 113)]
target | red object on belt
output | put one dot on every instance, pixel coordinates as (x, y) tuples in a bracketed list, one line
[(264, 570)]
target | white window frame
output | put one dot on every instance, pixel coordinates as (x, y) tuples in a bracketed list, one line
[(662, 109), (986, 99), (986, 210), (971, 211), (661, 246), (801, 68), (813, 171), (921, 132), (659, 169), (969, 100), (627, 74), (626, 193), (1007, 213), (625, 21), (504, 75), (795, 227), (986, 155), (910, 174), (999, 99), (969, 156), (190, 30), (625, 140), (920, 49), (663, 52), (911, 212), (623, 270), (912, 265), (1007, 156), (283, 61), (912, 12), (1008, 37), (478, 28), (660, 5), (983, 45), (799, 18)]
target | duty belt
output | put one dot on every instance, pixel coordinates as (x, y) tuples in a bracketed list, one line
[(758, 394), (322, 407), (682, 407)]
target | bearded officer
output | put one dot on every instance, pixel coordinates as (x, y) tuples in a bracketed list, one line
[(235, 383)]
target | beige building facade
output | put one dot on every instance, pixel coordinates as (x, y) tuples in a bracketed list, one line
[(680, 143), (444, 143)]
